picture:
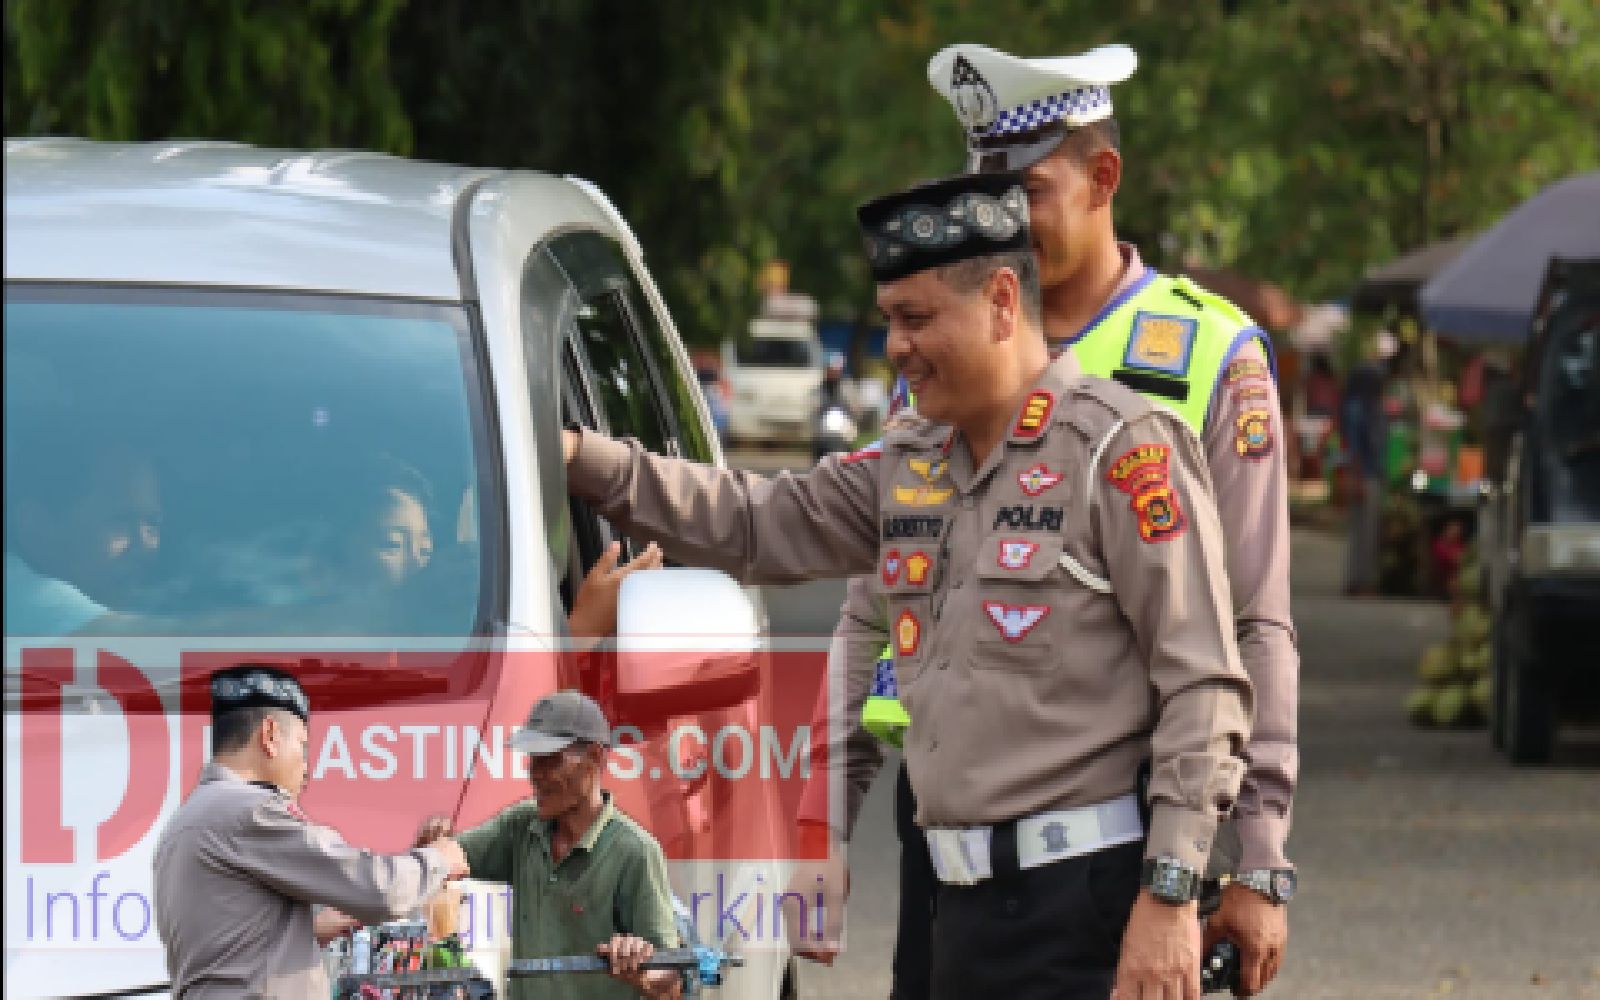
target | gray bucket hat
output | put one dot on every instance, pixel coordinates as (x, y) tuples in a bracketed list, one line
[(560, 720)]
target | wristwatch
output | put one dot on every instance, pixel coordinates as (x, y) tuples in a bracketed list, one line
[(1276, 884), (1170, 880)]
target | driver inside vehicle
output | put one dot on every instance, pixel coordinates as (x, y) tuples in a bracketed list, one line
[(81, 536)]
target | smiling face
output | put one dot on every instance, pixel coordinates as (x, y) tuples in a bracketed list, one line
[(940, 341), (1069, 204)]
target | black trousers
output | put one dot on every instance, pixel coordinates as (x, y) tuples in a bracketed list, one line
[(1048, 933), (913, 942)]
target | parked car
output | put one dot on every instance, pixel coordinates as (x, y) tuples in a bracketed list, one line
[(1541, 525), (256, 396), (717, 394), (776, 374)]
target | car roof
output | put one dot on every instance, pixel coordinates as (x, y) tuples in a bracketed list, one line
[(227, 214)]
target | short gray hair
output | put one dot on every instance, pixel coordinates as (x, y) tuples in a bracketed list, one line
[(967, 276)]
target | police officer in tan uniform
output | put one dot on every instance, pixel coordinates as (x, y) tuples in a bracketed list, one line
[(1054, 572), (239, 867), (1052, 118)]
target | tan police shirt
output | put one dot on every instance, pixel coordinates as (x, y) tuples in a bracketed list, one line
[(1037, 682), (1250, 481), (237, 870)]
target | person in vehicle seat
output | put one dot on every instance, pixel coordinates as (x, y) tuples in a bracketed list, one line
[(82, 533)]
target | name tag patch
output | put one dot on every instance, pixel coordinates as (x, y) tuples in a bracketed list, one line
[(1015, 621), (1161, 343), (1028, 517), (1037, 479), (911, 526)]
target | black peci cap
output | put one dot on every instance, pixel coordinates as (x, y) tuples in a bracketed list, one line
[(251, 685), (943, 222)]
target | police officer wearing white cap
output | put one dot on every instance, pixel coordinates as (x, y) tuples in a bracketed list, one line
[(1180, 346)]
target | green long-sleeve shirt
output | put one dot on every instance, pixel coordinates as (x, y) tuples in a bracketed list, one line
[(613, 881)]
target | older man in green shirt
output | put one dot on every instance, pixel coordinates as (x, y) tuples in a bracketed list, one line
[(585, 877)]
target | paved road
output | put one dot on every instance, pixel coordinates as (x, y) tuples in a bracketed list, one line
[(1429, 867)]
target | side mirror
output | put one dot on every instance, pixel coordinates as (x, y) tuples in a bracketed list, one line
[(688, 641)]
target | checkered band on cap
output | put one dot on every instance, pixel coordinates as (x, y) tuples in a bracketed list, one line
[(1077, 103)]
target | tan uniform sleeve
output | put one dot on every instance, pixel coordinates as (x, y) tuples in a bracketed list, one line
[(854, 755), (1245, 451), (781, 530), (1163, 548), (308, 862)]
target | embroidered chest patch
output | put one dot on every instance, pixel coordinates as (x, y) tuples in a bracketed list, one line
[(1015, 553), (924, 493), (907, 634), (1161, 343), (918, 565), (1143, 474), (891, 567), (1015, 621), (1037, 479)]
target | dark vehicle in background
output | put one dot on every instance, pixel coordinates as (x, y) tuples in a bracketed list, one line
[(1541, 544)]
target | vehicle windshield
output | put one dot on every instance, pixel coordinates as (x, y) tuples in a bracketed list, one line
[(1570, 398), (212, 462), (776, 352)]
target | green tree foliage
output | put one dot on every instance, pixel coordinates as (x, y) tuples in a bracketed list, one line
[(1297, 142)]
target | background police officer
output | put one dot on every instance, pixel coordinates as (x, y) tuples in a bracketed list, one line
[(1179, 345), (1054, 570), (238, 867)]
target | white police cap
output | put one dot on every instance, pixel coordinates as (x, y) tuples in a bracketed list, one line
[(1017, 110)]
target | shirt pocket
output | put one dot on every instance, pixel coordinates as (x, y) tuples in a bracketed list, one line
[(1019, 589)]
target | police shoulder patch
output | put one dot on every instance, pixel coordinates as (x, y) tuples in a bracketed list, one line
[(1161, 343), (1144, 475), (1253, 434)]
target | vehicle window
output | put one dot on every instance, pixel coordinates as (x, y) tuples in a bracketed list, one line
[(1570, 397), (694, 437), (608, 342), (775, 352), (209, 462)]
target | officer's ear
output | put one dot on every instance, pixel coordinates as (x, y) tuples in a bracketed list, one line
[(1004, 292), (274, 732), (1103, 167), (269, 732)]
